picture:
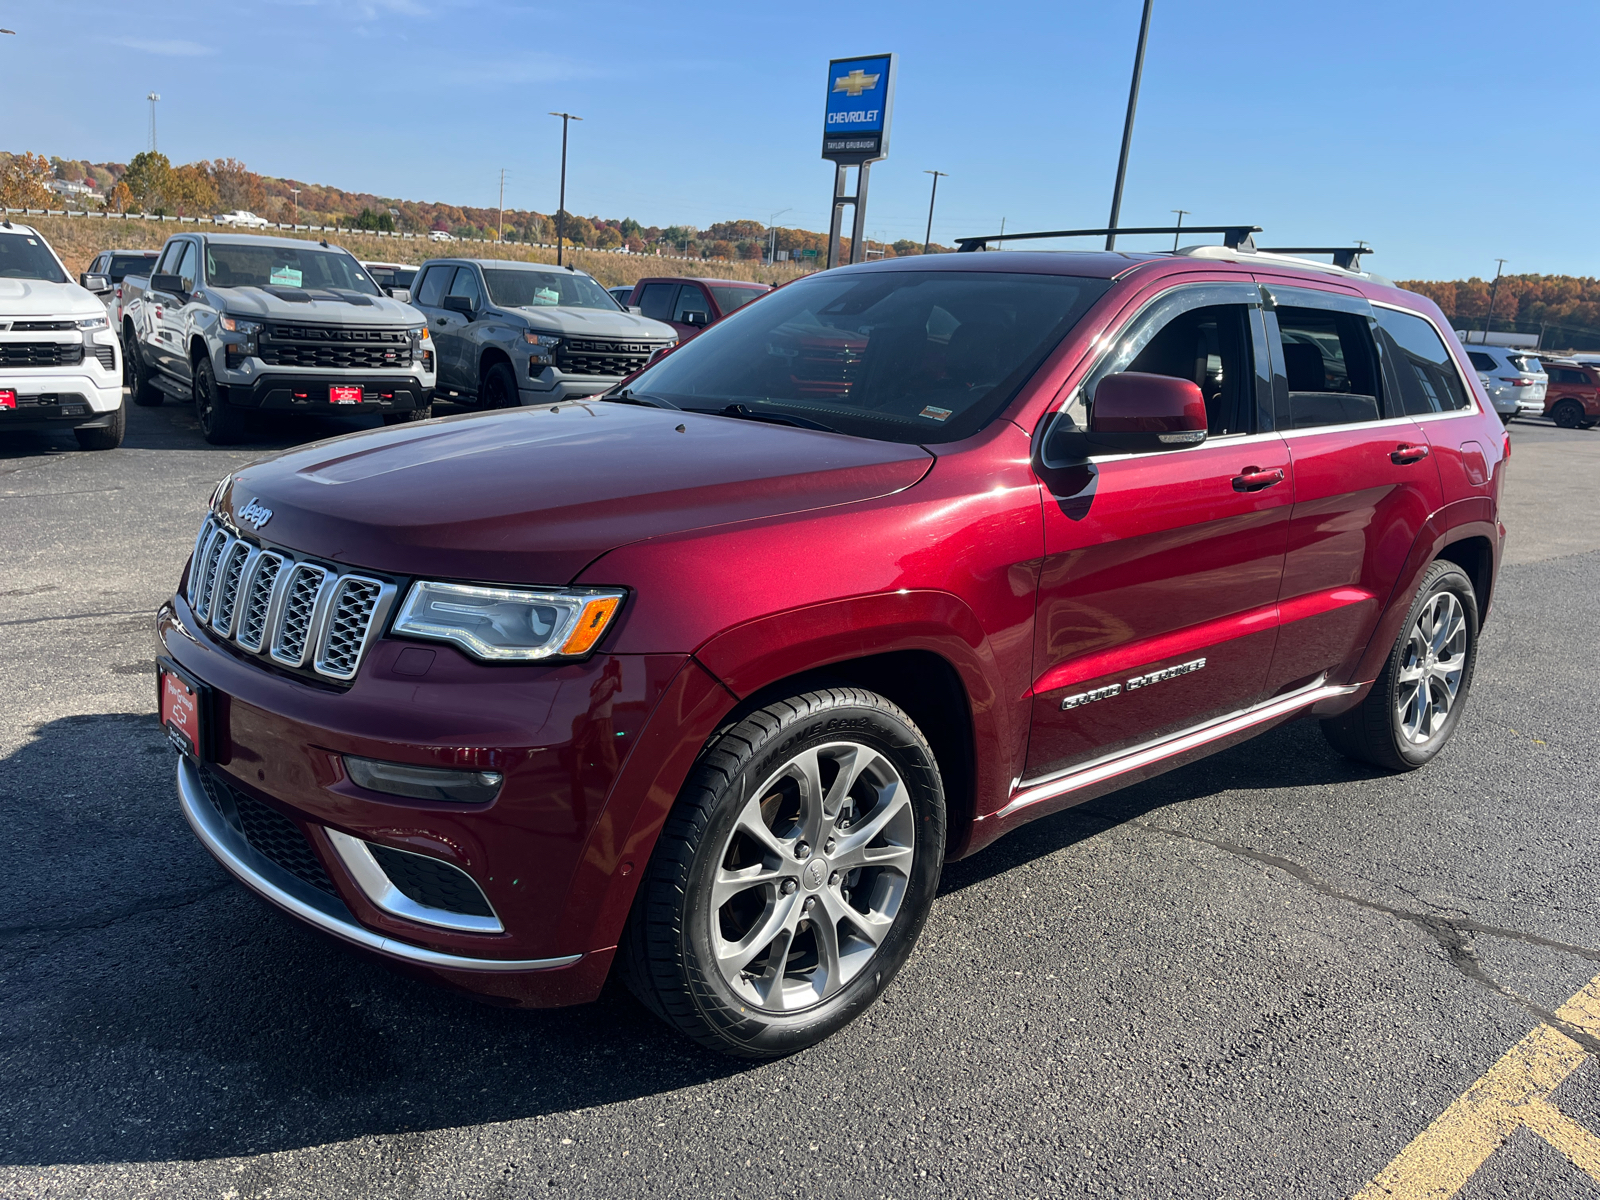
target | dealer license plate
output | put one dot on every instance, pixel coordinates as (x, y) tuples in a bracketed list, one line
[(338, 394), (8, 398), (182, 702)]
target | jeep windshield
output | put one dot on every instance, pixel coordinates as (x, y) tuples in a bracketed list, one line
[(901, 356), (510, 288), (23, 256), (285, 267)]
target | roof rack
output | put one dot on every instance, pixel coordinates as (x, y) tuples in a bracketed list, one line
[(1234, 237), (1346, 258)]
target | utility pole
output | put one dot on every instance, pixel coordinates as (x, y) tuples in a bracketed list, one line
[(561, 210), (295, 192), (1500, 265), (1178, 228), (927, 238), (152, 97), (772, 234), (500, 230), (1127, 127)]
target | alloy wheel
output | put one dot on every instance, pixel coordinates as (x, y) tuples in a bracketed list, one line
[(1430, 671), (811, 877)]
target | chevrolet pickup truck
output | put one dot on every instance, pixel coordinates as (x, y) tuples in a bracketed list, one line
[(59, 366), (237, 323)]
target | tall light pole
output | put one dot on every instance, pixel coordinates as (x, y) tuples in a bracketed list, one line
[(561, 208), (1127, 127), (927, 238), (500, 230), (295, 192), (1500, 265), (772, 234), (152, 97), (1178, 228)]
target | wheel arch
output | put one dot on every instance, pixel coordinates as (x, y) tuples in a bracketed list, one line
[(488, 357), (1474, 554), (197, 350)]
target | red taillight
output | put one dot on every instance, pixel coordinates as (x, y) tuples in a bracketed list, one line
[(119, 293), (1506, 452), (1517, 381)]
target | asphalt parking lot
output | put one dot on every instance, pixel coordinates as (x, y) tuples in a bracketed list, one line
[(1263, 975)]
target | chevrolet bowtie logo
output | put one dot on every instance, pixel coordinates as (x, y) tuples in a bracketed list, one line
[(855, 83)]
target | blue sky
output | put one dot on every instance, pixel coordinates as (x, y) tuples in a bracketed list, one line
[(1424, 129)]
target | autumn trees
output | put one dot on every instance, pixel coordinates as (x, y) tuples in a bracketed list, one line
[(1565, 308), (24, 181)]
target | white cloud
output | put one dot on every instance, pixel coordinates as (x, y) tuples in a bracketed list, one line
[(171, 47)]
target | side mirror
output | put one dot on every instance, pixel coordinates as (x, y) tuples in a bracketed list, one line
[(698, 320), (171, 284), (635, 310), (95, 283), (1134, 411), (458, 304)]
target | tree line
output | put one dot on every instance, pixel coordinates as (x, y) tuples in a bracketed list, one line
[(1564, 309)]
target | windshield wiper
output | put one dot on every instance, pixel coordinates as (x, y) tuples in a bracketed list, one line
[(749, 414), (629, 396)]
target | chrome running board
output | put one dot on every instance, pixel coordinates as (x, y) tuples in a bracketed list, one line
[(310, 905), (1099, 770)]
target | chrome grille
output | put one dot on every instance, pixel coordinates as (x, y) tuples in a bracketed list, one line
[(300, 598), (258, 602), (349, 622), (301, 614), (230, 573)]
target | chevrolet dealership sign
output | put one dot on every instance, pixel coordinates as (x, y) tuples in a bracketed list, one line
[(860, 101)]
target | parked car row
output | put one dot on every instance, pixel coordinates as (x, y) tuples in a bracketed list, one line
[(1513, 377)]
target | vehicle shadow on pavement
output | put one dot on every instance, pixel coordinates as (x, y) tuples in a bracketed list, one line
[(156, 1011), (1293, 755)]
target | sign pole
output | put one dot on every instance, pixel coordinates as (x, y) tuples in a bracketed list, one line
[(855, 133), (1127, 127)]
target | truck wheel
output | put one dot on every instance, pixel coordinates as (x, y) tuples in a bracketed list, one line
[(1568, 414), (145, 393), (792, 877), (1413, 708), (410, 414), (499, 387), (220, 423), (107, 438)]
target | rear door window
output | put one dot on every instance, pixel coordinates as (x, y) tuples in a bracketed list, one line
[(655, 301), (1330, 364), (434, 281), (1424, 370), (1481, 361)]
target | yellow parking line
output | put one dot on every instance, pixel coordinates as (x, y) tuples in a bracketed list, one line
[(1512, 1094)]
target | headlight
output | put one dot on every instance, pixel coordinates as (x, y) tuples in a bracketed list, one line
[(239, 325), (88, 324), (506, 624), (542, 351)]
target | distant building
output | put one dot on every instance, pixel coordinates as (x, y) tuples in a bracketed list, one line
[(81, 192)]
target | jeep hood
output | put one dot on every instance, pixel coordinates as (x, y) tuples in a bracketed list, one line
[(37, 298), (594, 322), (533, 495), (312, 304)]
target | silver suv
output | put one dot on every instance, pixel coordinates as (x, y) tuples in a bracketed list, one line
[(512, 333), (1514, 378)]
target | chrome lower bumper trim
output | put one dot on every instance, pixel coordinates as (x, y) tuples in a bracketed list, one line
[(1135, 757), (309, 904)]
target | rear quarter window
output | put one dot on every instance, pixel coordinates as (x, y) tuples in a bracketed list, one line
[(1424, 369)]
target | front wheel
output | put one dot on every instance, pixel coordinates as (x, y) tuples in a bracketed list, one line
[(108, 436), (792, 877), (220, 423), (499, 387), (1568, 414), (1413, 707)]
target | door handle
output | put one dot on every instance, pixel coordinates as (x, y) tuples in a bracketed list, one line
[(1254, 479), (1406, 453)]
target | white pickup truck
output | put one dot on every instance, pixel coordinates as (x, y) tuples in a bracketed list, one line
[(60, 364)]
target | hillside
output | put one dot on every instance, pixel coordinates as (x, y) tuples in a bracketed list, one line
[(1564, 309)]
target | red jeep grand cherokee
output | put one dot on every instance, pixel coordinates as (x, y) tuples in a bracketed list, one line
[(705, 682)]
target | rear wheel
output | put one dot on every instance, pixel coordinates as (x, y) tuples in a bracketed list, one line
[(145, 393), (109, 436), (498, 388), (220, 423), (1413, 707), (1568, 414), (792, 877)]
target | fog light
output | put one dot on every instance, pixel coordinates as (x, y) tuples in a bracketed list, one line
[(423, 783)]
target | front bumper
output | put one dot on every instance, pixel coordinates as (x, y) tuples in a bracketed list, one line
[(60, 398), (292, 391), (547, 853)]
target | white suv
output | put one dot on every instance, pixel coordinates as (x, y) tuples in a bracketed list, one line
[(60, 364), (1515, 380)]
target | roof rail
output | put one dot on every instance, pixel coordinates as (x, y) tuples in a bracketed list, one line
[(1346, 258), (1235, 237)]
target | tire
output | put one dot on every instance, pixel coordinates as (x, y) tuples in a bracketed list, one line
[(410, 414), (1391, 728), (145, 393), (1507, 418), (107, 438), (498, 387), (220, 423), (1568, 414), (747, 815)]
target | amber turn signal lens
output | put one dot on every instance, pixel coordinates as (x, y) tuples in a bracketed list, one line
[(592, 623)]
